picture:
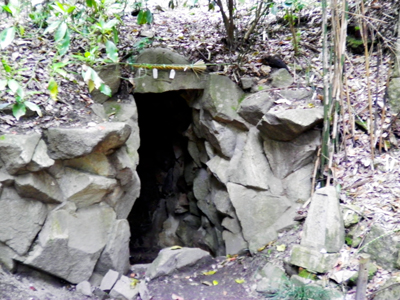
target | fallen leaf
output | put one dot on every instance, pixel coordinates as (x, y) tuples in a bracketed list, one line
[(281, 248), (207, 283), (240, 281), (215, 282), (175, 247), (210, 272)]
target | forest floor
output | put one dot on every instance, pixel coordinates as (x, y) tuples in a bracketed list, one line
[(367, 180)]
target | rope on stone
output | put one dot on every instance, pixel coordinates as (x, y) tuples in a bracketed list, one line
[(198, 67)]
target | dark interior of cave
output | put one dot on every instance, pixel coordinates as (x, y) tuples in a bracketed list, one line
[(163, 119)]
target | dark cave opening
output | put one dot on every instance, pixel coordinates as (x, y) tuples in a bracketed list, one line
[(163, 119)]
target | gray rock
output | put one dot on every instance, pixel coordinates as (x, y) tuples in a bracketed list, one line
[(297, 185), (255, 171), (126, 112), (125, 166), (111, 75), (85, 189), (255, 106), (257, 212), (221, 98), (64, 249), (20, 221), (115, 255), (144, 291), (247, 82), (313, 260), (182, 80), (123, 289), (288, 157), (296, 94), (67, 143), (234, 242), (39, 185), (286, 125), (323, 228), (6, 257), (383, 248), (169, 261), (16, 151), (96, 163), (221, 136), (109, 280), (272, 279), (40, 159), (84, 288), (281, 78)]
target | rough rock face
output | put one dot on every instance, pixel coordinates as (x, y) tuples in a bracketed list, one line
[(249, 170)]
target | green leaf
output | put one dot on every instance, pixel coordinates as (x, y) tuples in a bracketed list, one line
[(112, 51), (105, 89), (215, 282), (6, 66), (32, 106), (110, 24), (53, 89), (145, 17), (60, 7), (19, 110), (63, 45), (6, 37), (13, 85), (53, 26), (90, 3), (60, 32)]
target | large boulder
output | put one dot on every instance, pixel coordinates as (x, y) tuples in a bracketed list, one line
[(146, 83), (67, 143), (286, 125), (71, 241)]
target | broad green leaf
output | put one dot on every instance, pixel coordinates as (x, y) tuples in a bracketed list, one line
[(53, 89), (13, 85), (32, 106), (19, 110), (70, 9), (6, 37), (53, 26), (60, 32), (95, 78), (209, 272), (91, 85), (141, 19), (21, 30), (149, 17), (90, 3), (3, 84), (105, 89), (112, 51), (115, 35), (215, 282), (60, 7), (240, 281), (110, 24), (63, 45)]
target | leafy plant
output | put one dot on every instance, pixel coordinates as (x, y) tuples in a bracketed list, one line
[(13, 87), (292, 9), (289, 290)]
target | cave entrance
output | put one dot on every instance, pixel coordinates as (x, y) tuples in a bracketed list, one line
[(163, 120)]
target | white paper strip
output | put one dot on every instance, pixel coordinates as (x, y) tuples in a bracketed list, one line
[(155, 73), (172, 74)]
